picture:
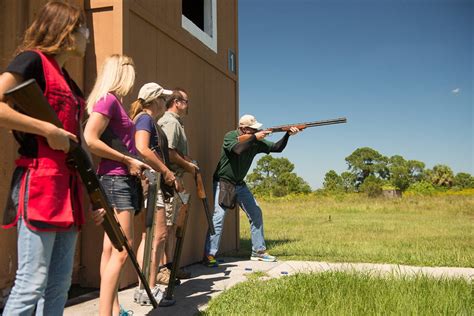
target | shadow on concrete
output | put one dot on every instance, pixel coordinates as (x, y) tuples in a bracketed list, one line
[(197, 291), (245, 249)]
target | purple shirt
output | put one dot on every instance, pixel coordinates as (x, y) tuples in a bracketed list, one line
[(121, 125)]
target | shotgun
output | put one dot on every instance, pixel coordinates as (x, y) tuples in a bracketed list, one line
[(149, 232), (28, 97), (300, 126), (181, 222), (202, 195)]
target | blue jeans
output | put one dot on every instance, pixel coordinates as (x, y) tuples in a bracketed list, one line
[(249, 205), (123, 192), (43, 277)]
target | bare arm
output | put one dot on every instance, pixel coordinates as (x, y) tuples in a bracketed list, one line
[(57, 138), (142, 141), (176, 158), (94, 128)]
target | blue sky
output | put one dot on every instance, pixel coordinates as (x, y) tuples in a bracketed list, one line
[(400, 71)]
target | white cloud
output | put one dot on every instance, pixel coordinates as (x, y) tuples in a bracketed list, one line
[(456, 91)]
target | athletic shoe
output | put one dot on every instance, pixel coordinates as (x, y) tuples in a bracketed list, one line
[(210, 261), (262, 256), (123, 312), (141, 297), (137, 294)]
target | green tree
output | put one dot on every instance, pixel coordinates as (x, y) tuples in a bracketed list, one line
[(275, 177), (463, 180), (372, 186), (422, 187), (416, 170), (399, 172), (442, 176), (403, 173), (332, 181), (365, 161), (348, 181)]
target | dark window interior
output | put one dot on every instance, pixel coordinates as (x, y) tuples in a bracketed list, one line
[(194, 10)]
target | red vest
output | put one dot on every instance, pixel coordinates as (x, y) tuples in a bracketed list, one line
[(50, 197)]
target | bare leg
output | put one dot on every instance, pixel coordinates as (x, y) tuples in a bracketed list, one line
[(111, 270), (159, 241), (140, 252)]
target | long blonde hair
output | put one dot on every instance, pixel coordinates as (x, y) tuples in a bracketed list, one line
[(52, 30), (117, 75)]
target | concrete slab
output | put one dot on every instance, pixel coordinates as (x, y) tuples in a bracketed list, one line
[(194, 294)]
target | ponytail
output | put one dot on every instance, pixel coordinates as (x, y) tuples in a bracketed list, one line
[(136, 108)]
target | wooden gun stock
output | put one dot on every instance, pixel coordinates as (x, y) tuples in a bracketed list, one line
[(201, 192), (30, 99), (149, 221)]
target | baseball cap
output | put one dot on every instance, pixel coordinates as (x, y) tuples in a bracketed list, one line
[(150, 91), (248, 120)]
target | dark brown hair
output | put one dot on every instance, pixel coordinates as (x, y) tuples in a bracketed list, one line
[(175, 96), (51, 31)]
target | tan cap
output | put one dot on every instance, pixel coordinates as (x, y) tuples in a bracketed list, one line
[(248, 120), (150, 91)]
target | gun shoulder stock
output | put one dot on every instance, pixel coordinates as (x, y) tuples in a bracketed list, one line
[(30, 99), (244, 137)]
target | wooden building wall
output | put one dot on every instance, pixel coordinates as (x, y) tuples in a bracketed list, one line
[(150, 32)]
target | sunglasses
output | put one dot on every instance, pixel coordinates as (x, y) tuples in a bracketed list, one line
[(84, 31)]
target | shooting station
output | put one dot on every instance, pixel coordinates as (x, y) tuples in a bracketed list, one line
[(176, 43)]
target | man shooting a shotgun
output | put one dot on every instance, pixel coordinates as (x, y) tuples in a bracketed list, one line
[(238, 150)]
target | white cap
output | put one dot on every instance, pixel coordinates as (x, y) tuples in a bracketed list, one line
[(248, 120), (150, 91)]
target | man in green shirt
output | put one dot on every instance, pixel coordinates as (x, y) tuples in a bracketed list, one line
[(238, 150)]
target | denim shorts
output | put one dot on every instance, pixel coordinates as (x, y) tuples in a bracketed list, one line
[(122, 191)]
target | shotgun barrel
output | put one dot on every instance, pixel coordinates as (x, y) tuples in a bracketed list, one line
[(284, 128)]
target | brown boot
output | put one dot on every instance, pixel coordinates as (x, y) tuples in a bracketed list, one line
[(163, 276)]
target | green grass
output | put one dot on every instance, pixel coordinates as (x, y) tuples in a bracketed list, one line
[(337, 293), (415, 230)]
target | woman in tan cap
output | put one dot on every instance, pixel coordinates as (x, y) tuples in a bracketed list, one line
[(152, 145)]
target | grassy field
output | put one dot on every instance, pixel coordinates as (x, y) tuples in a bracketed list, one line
[(416, 230), (336, 293)]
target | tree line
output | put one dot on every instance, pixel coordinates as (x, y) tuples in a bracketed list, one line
[(368, 171), (371, 172)]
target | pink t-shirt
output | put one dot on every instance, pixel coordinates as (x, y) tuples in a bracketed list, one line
[(122, 127)]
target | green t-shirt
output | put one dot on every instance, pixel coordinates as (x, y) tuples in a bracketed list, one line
[(234, 167)]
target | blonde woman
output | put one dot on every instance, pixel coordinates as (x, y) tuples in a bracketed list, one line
[(152, 144), (48, 224), (117, 172)]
